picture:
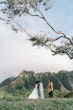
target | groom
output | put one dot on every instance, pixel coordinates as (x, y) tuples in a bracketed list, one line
[(41, 89)]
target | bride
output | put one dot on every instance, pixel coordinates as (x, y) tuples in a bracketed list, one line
[(34, 93)]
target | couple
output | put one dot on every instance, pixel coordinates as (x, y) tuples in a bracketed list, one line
[(37, 88)]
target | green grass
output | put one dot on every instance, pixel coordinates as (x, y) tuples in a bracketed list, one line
[(46, 104), (20, 102)]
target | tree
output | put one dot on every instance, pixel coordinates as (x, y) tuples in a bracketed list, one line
[(61, 44)]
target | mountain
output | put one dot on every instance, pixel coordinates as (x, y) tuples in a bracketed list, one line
[(66, 78), (24, 82)]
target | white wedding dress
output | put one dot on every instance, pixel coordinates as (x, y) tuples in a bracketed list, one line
[(34, 93)]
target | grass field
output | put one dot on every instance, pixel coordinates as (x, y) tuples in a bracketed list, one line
[(39, 104)]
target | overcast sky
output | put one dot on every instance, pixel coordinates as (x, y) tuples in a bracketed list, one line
[(17, 53)]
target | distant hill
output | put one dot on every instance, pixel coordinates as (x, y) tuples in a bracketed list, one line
[(63, 81)]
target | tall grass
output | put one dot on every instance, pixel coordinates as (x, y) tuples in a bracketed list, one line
[(45, 104)]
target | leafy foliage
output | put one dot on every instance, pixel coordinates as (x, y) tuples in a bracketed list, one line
[(69, 95)]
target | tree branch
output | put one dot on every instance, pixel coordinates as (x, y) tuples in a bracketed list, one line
[(57, 32), (35, 15)]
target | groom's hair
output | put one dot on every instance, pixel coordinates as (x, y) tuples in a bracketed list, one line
[(37, 81)]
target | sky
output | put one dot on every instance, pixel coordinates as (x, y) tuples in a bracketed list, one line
[(17, 53)]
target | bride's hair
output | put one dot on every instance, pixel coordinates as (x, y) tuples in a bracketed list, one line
[(37, 82)]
